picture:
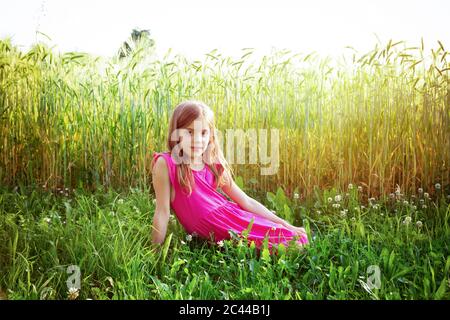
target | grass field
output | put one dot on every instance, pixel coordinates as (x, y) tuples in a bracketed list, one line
[(364, 154), (106, 235)]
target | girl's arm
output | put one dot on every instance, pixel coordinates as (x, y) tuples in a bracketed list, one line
[(249, 204), (161, 184)]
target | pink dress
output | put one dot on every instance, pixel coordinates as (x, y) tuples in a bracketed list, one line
[(211, 215)]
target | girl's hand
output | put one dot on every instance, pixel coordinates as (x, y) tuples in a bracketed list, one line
[(299, 231)]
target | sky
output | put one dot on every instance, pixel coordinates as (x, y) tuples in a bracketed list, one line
[(194, 28)]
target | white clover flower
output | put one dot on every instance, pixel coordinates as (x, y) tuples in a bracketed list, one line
[(350, 186), (296, 196), (414, 207), (420, 190), (336, 205), (407, 220), (220, 243), (48, 220), (437, 186), (338, 198), (419, 224), (73, 293), (353, 219), (330, 200), (376, 206), (426, 195), (189, 237), (405, 202), (343, 213), (421, 201)]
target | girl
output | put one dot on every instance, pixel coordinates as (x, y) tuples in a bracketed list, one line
[(186, 179)]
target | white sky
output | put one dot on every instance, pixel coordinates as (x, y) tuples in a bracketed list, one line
[(196, 27)]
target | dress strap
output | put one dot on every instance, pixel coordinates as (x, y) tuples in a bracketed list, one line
[(171, 166)]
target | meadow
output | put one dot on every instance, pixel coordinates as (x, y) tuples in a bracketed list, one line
[(364, 167), (106, 235)]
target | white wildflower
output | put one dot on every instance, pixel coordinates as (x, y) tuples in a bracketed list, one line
[(220, 243), (360, 189), (330, 200), (391, 195), (350, 186), (419, 224), (73, 293), (420, 190), (120, 201), (407, 220), (338, 198), (47, 220), (405, 202), (424, 206), (426, 195), (437, 186), (189, 237), (296, 196)]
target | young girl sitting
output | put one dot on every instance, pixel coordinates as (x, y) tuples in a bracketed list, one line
[(186, 179)]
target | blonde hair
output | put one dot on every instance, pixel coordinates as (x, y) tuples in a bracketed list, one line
[(183, 114)]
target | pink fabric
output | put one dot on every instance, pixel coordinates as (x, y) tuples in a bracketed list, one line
[(211, 215)]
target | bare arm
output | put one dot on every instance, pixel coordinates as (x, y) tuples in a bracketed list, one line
[(249, 204), (161, 184)]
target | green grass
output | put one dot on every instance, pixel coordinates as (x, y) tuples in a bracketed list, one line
[(107, 235)]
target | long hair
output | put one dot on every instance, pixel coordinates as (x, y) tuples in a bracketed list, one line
[(181, 117)]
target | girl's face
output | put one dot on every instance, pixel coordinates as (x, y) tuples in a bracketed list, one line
[(195, 138)]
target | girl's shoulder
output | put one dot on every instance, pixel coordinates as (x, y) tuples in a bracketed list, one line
[(168, 160)]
